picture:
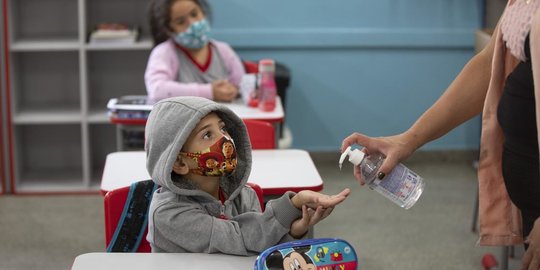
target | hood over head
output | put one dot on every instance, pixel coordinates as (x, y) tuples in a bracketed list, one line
[(170, 123)]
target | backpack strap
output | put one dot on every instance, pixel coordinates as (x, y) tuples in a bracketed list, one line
[(132, 224)]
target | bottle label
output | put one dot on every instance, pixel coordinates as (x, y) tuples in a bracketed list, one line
[(399, 185)]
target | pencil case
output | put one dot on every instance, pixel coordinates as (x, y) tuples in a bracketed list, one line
[(315, 254)]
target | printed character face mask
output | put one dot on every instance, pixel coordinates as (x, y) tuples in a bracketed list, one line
[(217, 160), (196, 36)]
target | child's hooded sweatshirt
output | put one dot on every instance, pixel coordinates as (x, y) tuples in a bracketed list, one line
[(183, 218)]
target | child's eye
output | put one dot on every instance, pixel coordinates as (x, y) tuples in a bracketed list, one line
[(223, 129), (194, 14), (207, 135), (179, 21)]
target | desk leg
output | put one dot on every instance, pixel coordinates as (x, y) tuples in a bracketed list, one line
[(119, 138), (277, 133)]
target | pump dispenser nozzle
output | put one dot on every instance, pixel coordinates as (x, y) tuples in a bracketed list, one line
[(355, 156)]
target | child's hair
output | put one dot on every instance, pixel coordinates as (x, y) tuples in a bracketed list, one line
[(158, 17)]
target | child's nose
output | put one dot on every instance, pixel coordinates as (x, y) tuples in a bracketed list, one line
[(192, 20)]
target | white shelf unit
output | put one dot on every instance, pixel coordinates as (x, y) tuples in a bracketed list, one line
[(60, 85)]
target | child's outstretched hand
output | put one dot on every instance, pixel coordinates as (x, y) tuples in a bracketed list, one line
[(309, 218), (314, 199)]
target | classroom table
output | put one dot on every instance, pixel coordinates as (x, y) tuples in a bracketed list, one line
[(243, 111), (275, 171), (151, 261)]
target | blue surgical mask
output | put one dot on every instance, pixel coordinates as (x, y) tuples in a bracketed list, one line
[(196, 36)]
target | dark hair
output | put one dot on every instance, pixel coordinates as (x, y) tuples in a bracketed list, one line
[(158, 17)]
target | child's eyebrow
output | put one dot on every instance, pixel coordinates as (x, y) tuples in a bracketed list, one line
[(185, 15), (208, 125), (203, 127)]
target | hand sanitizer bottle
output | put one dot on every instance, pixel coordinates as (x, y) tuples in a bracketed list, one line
[(402, 186)]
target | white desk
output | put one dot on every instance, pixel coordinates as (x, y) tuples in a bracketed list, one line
[(160, 261), (246, 112), (237, 106), (275, 171)]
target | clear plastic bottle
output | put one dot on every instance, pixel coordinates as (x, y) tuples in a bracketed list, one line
[(402, 186), (267, 85)]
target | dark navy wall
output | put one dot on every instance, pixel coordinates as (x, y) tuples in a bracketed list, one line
[(371, 66)]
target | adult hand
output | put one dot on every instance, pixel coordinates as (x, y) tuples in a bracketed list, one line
[(309, 218), (394, 148), (313, 199), (531, 258), (224, 91)]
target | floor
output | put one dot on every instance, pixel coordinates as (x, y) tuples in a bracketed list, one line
[(48, 232)]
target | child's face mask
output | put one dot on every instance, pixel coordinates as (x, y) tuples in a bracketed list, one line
[(217, 160), (196, 36)]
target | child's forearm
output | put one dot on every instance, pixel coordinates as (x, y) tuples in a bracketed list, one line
[(298, 229)]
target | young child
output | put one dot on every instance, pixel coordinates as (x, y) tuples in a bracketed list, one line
[(185, 61), (199, 208)]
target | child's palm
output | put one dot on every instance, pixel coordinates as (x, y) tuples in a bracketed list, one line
[(314, 199)]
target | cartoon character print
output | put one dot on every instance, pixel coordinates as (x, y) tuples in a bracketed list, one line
[(295, 260), (229, 152), (217, 160), (210, 163), (321, 253)]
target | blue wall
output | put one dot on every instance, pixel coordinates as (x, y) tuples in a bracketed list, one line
[(371, 66)]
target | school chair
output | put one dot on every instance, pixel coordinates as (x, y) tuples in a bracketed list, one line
[(250, 66), (127, 204), (261, 134)]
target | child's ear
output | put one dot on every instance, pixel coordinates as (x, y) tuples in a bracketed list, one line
[(180, 167)]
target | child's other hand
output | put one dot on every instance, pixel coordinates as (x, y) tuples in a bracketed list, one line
[(309, 218), (314, 199), (224, 91)]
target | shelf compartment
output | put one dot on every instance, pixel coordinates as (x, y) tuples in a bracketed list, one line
[(49, 158), (46, 80), (113, 74), (129, 12), (102, 142), (53, 19)]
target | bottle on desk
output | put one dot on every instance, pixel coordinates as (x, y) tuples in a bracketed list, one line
[(401, 186), (267, 85)]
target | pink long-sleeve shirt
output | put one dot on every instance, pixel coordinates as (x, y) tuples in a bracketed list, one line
[(163, 68)]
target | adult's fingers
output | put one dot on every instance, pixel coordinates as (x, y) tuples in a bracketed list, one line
[(355, 138), (386, 167)]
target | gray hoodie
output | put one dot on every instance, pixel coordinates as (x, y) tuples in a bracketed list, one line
[(183, 218)]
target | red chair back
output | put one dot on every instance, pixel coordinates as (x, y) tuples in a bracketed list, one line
[(261, 134), (251, 67), (115, 200)]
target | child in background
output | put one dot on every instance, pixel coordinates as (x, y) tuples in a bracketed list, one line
[(201, 209), (185, 61)]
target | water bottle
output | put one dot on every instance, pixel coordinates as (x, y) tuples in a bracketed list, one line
[(267, 85), (402, 186)]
